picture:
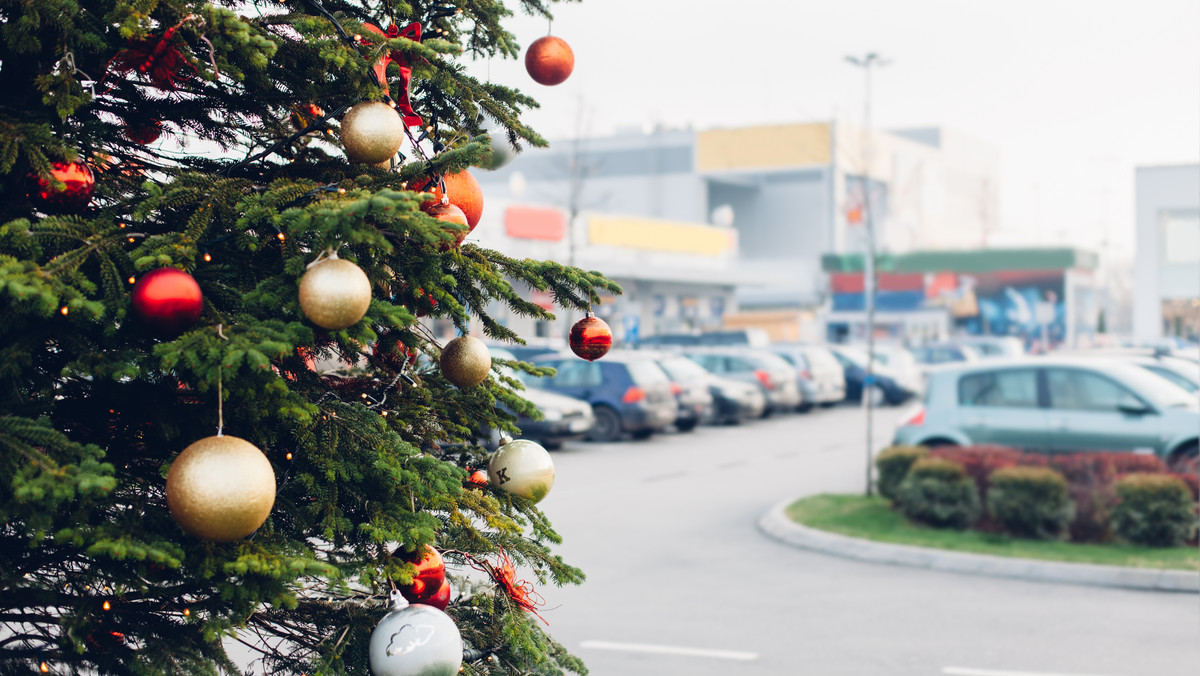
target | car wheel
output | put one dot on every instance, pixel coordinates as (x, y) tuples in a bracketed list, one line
[(805, 407), (829, 404), (1186, 460), (552, 445), (642, 434), (607, 426), (686, 425)]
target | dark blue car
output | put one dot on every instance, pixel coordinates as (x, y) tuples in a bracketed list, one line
[(889, 388), (628, 391)]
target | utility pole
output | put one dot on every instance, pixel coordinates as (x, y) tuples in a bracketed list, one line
[(867, 62)]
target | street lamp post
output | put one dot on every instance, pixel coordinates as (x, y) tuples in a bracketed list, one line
[(867, 62)]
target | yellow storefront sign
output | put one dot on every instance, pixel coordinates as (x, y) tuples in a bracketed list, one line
[(769, 147), (656, 235)]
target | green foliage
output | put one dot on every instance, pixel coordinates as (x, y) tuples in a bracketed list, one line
[(95, 406), (893, 464), (938, 492), (1030, 502), (1155, 510)]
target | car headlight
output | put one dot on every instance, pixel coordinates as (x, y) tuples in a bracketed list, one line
[(553, 415)]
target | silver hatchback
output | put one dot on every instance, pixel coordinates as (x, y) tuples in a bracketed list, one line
[(1057, 405)]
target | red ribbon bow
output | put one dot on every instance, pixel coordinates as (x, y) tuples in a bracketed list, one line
[(412, 32)]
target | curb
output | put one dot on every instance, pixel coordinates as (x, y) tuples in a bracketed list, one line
[(777, 525)]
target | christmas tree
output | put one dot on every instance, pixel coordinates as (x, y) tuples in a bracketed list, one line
[(205, 204)]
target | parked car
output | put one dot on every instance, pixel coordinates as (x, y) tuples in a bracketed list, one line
[(563, 419), (820, 377), (935, 354), (690, 383), (769, 371), (725, 338), (628, 391), (1057, 405), (735, 401), (991, 347), (889, 387), (1181, 372)]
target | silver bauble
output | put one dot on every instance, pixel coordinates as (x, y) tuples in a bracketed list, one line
[(415, 640), (466, 361), (523, 468), (372, 132), (221, 488), (501, 153), (335, 293)]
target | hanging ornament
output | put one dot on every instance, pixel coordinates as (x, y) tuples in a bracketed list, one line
[(167, 300), (144, 132), (415, 640), (221, 488), (371, 132), (334, 293), (478, 478), (403, 103), (504, 574), (305, 114), (450, 214), (78, 185), (549, 60), (441, 598), (590, 337), (523, 468), (463, 192), (431, 573), (157, 58), (466, 361), (500, 151)]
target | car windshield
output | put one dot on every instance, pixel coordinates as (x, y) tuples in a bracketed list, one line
[(682, 368), (646, 372)]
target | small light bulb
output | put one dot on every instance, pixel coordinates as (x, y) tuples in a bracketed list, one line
[(289, 455), (342, 190), (281, 236), (107, 605), (187, 612), (132, 279), (207, 257), (121, 226), (429, 128), (64, 310), (44, 668), (131, 240)]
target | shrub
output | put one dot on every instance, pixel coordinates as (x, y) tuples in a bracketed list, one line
[(892, 464), (1192, 482), (938, 492), (1090, 479), (1030, 502), (1132, 463), (980, 461), (1154, 510)]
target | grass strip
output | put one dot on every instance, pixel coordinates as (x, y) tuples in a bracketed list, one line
[(872, 519)]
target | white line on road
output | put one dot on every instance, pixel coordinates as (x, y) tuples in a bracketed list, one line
[(669, 650), (967, 671)]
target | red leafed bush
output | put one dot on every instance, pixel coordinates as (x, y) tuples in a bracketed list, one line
[(1133, 463), (1192, 482), (1090, 478), (980, 461)]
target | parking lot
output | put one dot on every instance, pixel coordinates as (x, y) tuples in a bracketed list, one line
[(680, 580)]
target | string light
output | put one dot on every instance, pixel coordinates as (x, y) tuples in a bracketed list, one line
[(132, 279), (107, 605), (64, 310), (44, 668), (289, 455), (281, 236), (131, 240), (207, 258), (187, 612)]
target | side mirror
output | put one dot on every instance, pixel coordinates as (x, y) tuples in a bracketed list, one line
[(1131, 406)]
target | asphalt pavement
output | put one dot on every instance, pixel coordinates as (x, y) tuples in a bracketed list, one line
[(681, 581)]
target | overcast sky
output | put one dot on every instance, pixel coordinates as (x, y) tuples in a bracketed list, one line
[(1073, 93)]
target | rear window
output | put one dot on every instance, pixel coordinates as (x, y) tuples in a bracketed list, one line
[(646, 372), (1011, 388), (682, 368)]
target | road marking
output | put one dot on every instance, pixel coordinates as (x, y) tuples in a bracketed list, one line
[(967, 671), (670, 650)]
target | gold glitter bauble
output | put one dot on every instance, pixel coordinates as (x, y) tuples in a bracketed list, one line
[(221, 488), (466, 361), (372, 132), (522, 468), (335, 293)]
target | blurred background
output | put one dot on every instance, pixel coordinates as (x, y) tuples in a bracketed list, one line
[(1029, 169)]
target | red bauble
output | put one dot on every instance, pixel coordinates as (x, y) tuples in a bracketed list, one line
[(430, 576), (450, 214), (590, 338), (479, 477), (168, 300), (549, 60), (463, 191), (144, 132), (74, 196), (441, 599)]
